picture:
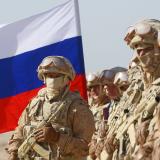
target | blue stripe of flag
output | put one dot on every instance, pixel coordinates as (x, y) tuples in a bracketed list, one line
[(18, 74)]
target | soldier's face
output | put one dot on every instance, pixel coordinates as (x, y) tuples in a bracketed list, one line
[(111, 91), (146, 54), (55, 81), (122, 89), (53, 75), (94, 91), (143, 49)]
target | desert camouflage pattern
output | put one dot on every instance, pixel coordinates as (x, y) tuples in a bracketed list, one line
[(137, 131), (97, 141), (98, 111), (56, 107), (98, 107), (126, 127), (120, 110), (120, 80), (70, 120)]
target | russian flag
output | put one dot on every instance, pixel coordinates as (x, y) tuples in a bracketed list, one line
[(24, 44)]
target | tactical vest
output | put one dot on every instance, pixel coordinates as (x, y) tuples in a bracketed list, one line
[(142, 112), (98, 114), (121, 110), (39, 109)]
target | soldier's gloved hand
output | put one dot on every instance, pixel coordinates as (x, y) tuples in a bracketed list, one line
[(13, 156), (144, 152), (47, 134), (99, 148), (92, 149), (142, 132), (11, 140), (110, 144), (148, 148), (102, 129)]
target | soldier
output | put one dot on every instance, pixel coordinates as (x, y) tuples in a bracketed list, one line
[(121, 81), (57, 123), (98, 102), (132, 91), (143, 38), (112, 90), (95, 91), (98, 98), (116, 85), (92, 82)]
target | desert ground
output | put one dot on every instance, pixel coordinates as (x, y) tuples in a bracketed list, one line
[(3, 144)]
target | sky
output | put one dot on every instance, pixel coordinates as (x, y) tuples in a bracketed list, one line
[(103, 25)]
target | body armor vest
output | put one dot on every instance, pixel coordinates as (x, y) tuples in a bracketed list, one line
[(40, 109)]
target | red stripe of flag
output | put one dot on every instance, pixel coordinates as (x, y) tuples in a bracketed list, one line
[(12, 107)]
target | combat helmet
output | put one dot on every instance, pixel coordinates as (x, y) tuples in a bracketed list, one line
[(56, 64), (121, 80), (92, 80), (107, 76), (146, 31)]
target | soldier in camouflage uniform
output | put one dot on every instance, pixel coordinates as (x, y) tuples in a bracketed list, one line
[(106, 79), (125, 108), (113, 85), (139, 127), (67, 124), (147, 137), (135, 72), (98, 103), (120, 83), (96, 94)]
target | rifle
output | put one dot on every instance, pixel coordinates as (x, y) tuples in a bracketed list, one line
[(128, 127), (30, 142), (149, 109)]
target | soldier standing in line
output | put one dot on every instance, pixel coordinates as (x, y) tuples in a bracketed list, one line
[(124, 108), (98, 102), (95, 91), (106, 77), (57, 123), (147, 128), (117, 84), (143, 38)]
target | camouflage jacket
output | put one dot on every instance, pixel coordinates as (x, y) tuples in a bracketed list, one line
[(74, 121)]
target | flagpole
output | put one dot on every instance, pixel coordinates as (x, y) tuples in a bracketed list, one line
[(77, 13)]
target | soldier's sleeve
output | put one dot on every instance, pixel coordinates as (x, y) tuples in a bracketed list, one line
[(82, 122), (17, 137)]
